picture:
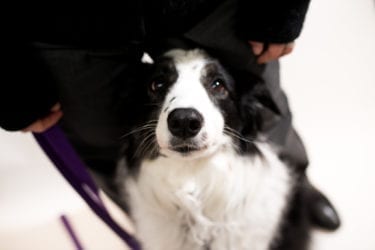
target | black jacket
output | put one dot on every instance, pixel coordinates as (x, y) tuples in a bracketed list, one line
[(26, 92)]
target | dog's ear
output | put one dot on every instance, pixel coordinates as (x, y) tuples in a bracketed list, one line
[(147, 67), (147, 59), (252, 90), (263, 96), (255, 102)]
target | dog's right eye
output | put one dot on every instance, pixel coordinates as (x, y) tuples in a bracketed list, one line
[(218, 87), (157, 85)]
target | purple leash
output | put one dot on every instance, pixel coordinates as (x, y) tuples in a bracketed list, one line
[(58, 149), (73, 236)]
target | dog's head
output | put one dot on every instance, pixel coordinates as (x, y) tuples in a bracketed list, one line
[(195, 107), (191, 121)]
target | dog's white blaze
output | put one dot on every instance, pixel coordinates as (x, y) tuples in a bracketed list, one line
[(188, 92), (225, 201)]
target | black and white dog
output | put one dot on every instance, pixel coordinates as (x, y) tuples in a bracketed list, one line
[(200, 176)]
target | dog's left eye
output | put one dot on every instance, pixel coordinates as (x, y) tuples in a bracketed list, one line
[(218, 86), (156, 86)]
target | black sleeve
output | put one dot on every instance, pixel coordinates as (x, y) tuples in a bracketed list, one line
[(26, 87), (272, 21)]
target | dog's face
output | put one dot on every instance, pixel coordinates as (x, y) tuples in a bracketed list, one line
[(191, 88), (194, 108)]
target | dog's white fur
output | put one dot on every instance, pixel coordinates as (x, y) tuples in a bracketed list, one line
[(215, 199)]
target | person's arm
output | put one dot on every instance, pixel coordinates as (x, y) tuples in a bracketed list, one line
[(271, 26)]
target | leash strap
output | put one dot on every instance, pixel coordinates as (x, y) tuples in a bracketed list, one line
[(58, 149)]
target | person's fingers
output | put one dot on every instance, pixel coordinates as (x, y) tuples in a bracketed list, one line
[(273, 52), (45, 123), (56, 107), (288, 48), (51, 120), (257, 47)]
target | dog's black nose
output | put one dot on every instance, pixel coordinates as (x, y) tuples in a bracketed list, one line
[(185, 122)]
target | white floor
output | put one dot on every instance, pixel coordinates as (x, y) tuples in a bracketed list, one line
[(330, 81)]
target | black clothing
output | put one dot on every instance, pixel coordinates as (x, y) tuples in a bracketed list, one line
[(284, 26), (271, 21), (25, 92)]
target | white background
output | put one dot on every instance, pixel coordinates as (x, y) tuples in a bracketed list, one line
[(330, 81)]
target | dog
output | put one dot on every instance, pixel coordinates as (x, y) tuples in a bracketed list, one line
[(199, 175)]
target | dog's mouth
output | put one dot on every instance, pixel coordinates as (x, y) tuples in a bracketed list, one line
[(186, 149)]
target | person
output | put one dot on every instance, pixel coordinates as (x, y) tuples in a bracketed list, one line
[(77, 69)]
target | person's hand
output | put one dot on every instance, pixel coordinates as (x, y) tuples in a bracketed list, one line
[(271, 52), (45, 123)]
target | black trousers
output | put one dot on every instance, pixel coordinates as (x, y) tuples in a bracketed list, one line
[(91, 84)]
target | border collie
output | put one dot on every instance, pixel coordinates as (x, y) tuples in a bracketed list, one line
[(200, 175)]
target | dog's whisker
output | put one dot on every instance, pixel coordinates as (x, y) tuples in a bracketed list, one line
[(149, 125), (231, 132), (152, 104), (145, 138), (149, 147), (229, 129), (143, 144), (239, 137), (152, 147)]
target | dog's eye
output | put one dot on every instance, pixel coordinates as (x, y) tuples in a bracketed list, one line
[(156, 86), (218, 86)]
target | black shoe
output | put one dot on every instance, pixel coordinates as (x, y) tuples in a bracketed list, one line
[(321, 212)]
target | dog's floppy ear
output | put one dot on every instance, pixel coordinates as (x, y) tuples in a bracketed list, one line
[(147, 66), (263, 96), (252, 89), (255, 103)]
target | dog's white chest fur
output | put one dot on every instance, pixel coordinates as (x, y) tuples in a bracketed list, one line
[(223, 202)]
